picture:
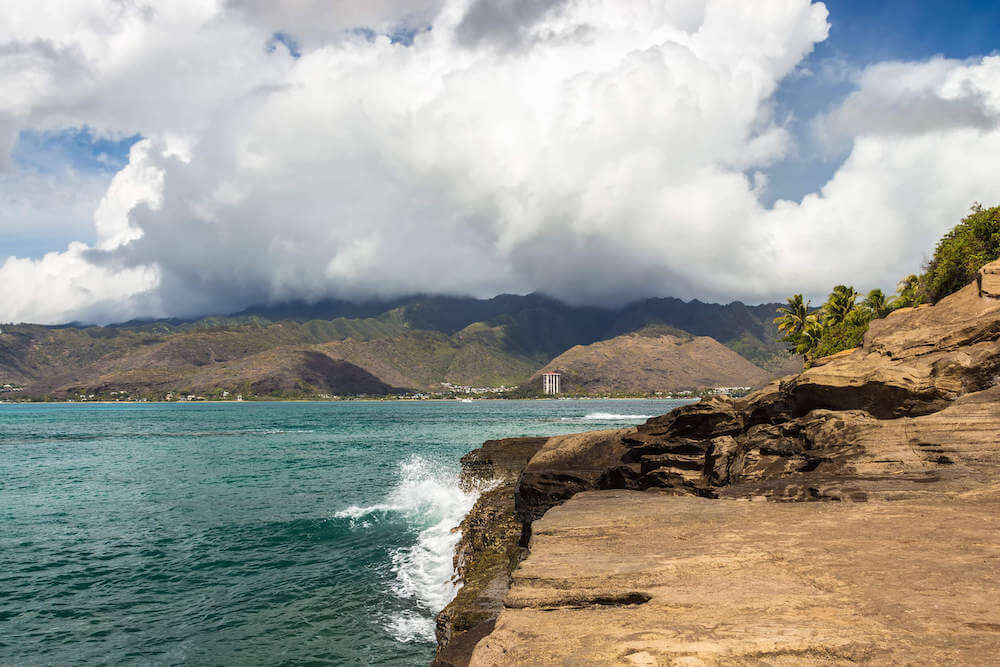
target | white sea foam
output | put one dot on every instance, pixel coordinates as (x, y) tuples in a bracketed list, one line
[(409, 626), (604, 417), (429, 497), (425, 492), (356, 512)]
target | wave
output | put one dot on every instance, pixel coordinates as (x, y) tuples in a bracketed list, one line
[(429, 498), (604, 417), (410, 626)]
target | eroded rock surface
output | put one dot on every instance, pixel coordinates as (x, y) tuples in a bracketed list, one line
[(916, 403), (903, 431), (623, 577), (489, 549)]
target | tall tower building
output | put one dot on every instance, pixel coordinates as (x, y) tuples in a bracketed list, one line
[(550, 383)]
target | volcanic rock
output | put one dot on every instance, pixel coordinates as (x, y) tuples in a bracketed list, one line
[(902, 433), (861, 422), (629, 578), (489, 548)]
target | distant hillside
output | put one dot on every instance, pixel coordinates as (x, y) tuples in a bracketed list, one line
[(748, 330), (263, 359), (652, 360), (540, 327), (408, 344)]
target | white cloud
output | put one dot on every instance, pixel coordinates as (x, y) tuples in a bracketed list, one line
[(921, 136), (881, 214), (900, 98), (138, 183), (124, 67), (598, 151), (65, 286)]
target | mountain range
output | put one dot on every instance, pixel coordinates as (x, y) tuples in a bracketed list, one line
[(412, 344)]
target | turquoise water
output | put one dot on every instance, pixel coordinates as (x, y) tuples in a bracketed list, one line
[(259, 533)]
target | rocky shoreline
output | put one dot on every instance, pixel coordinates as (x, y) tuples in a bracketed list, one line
[(490, 547), (910, 420)]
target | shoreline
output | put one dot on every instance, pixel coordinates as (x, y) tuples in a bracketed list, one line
[(489, 548), (823, 518), (348, 400)]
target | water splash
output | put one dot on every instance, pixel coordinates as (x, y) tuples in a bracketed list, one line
[(429, 498), (604, 417), (410, 626)]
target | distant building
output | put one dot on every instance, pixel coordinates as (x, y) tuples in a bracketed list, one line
[(550, 383)]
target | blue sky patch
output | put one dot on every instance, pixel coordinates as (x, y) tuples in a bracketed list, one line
[(287, 41), (862, 33), (77, 148), (405, 36)]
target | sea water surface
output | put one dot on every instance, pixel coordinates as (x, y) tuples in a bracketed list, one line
[(224, 533)]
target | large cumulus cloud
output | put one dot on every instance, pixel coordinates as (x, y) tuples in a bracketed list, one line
[(599, 151)]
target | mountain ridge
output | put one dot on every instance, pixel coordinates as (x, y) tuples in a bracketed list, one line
[(416, 343)]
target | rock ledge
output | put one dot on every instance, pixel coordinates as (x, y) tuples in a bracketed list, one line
[(903, 431)]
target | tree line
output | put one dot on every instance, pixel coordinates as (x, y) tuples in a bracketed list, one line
[(840, 323)]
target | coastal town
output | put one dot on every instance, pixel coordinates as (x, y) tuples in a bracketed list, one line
[(11, 393)]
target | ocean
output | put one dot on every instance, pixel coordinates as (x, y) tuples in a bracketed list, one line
[(244, 533)]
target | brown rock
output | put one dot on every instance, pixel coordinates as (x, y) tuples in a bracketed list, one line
[(989, 280), (832, 432), (488, 550), (620, 577), (912, 416), (568, 464), (498, 460)]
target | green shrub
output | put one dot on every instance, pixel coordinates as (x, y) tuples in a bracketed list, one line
[(842, 322), (908, 291), (839, 337), (961, 253)]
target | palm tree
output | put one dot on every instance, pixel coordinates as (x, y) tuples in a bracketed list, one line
[(792, 319), (859, 317), (808, 339), (877, 304), (842, 301), (907, 290)]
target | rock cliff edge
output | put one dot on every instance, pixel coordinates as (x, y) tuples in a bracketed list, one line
[(903, 431)]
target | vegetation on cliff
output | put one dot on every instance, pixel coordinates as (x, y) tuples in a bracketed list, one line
[(959, 254), (841, 323)]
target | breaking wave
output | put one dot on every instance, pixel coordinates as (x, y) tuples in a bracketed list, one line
[(429, 498), (604, 417)]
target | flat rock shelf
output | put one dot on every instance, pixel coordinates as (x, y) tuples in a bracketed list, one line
[(625, 577), (845, 514)]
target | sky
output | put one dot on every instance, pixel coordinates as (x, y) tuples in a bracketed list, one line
[(201, 156)]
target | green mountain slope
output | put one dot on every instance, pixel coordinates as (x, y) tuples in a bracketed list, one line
[(415, 343), (540, 327)]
